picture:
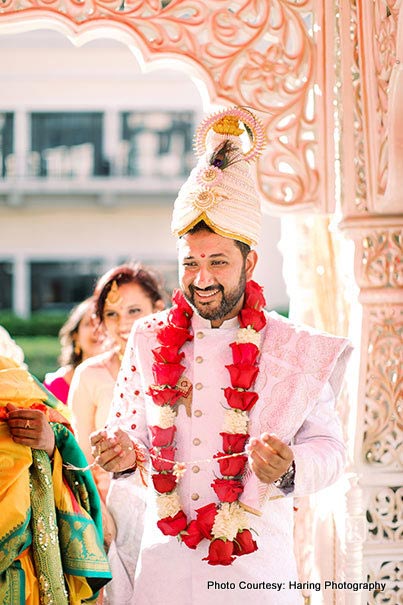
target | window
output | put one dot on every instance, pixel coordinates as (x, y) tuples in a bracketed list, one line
[(6, 144), (59, 285), (67, 145), (6, 285), (156, 144)]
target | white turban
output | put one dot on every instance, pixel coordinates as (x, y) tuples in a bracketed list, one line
[(221, 189)]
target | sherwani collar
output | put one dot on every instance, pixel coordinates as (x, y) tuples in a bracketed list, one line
[(199, 323)]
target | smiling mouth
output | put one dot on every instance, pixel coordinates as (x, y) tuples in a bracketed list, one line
[(207, 294)]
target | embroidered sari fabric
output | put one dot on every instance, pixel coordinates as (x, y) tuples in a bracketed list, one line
[(50, 527)]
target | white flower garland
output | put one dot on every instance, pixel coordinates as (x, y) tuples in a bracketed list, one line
[(168, 505), (230, 518), (248, 335), (166, 416), (236, 421)]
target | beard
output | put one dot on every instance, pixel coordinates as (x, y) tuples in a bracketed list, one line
[(229, 299)]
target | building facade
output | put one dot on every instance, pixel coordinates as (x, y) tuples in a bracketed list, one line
[(92, 154)]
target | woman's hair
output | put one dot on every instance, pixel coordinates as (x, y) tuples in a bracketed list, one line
[(130, 273), (70, 355)]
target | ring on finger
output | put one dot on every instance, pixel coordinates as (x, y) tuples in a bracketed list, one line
[(27, 425)]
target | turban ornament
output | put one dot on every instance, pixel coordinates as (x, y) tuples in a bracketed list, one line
[(221, 189)]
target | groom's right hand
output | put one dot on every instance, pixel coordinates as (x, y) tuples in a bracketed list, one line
[(113, 452)]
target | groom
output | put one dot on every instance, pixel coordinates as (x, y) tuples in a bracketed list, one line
[(258, 420)]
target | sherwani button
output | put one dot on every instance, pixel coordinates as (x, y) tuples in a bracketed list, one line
[(195, 468), (196, 441), (199, 359), (198, 386), (199, 335), (198, 413), (195, 496)]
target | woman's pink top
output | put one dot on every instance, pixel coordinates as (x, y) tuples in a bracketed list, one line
[(58, 386)]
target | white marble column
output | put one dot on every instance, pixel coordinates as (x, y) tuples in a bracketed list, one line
[(21, 287)]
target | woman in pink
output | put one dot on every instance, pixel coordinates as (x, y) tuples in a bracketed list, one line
[(79, 339), (122, 295)]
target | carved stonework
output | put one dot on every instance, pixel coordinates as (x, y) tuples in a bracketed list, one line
[(382, 259), (258, 53), (390, 572), (385, 28), (355, 530), (373, 34), (384, 515), (304, 539), (354, 535), (383, 436), (360, 169)]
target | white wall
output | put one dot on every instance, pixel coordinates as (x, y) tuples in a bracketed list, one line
[(44, 71), (60, 233)]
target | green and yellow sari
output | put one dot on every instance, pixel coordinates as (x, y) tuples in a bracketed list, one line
[(51, 539)]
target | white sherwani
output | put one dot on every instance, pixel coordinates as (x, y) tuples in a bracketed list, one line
[(299, 374)]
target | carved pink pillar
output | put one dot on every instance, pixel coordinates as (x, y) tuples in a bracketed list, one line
[(378, 447), (372, 197)]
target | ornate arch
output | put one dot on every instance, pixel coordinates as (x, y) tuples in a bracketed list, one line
[(269, 55)]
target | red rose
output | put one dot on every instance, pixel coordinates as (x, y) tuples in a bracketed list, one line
[(180, 301), (233, 443), (167, 355), (164, 483), (244, 353), (172, 526), (165, 396), (192, 536), (205, 519), (170, 336), (231, 467), (243, 543), (167, 373), (240, 400), (163, 452), (227, 490), (179, 317), (220, 552), (254, 297), (39, 406), (253, 318), (3, 413), (242, 376), (162, 437)]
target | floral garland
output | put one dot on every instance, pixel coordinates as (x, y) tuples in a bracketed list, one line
[(34, 406), (224, 524)]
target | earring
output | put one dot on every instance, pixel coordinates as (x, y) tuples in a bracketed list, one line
[(77, 349)]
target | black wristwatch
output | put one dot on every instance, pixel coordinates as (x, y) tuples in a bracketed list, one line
[(286, 481), (125, 473)]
